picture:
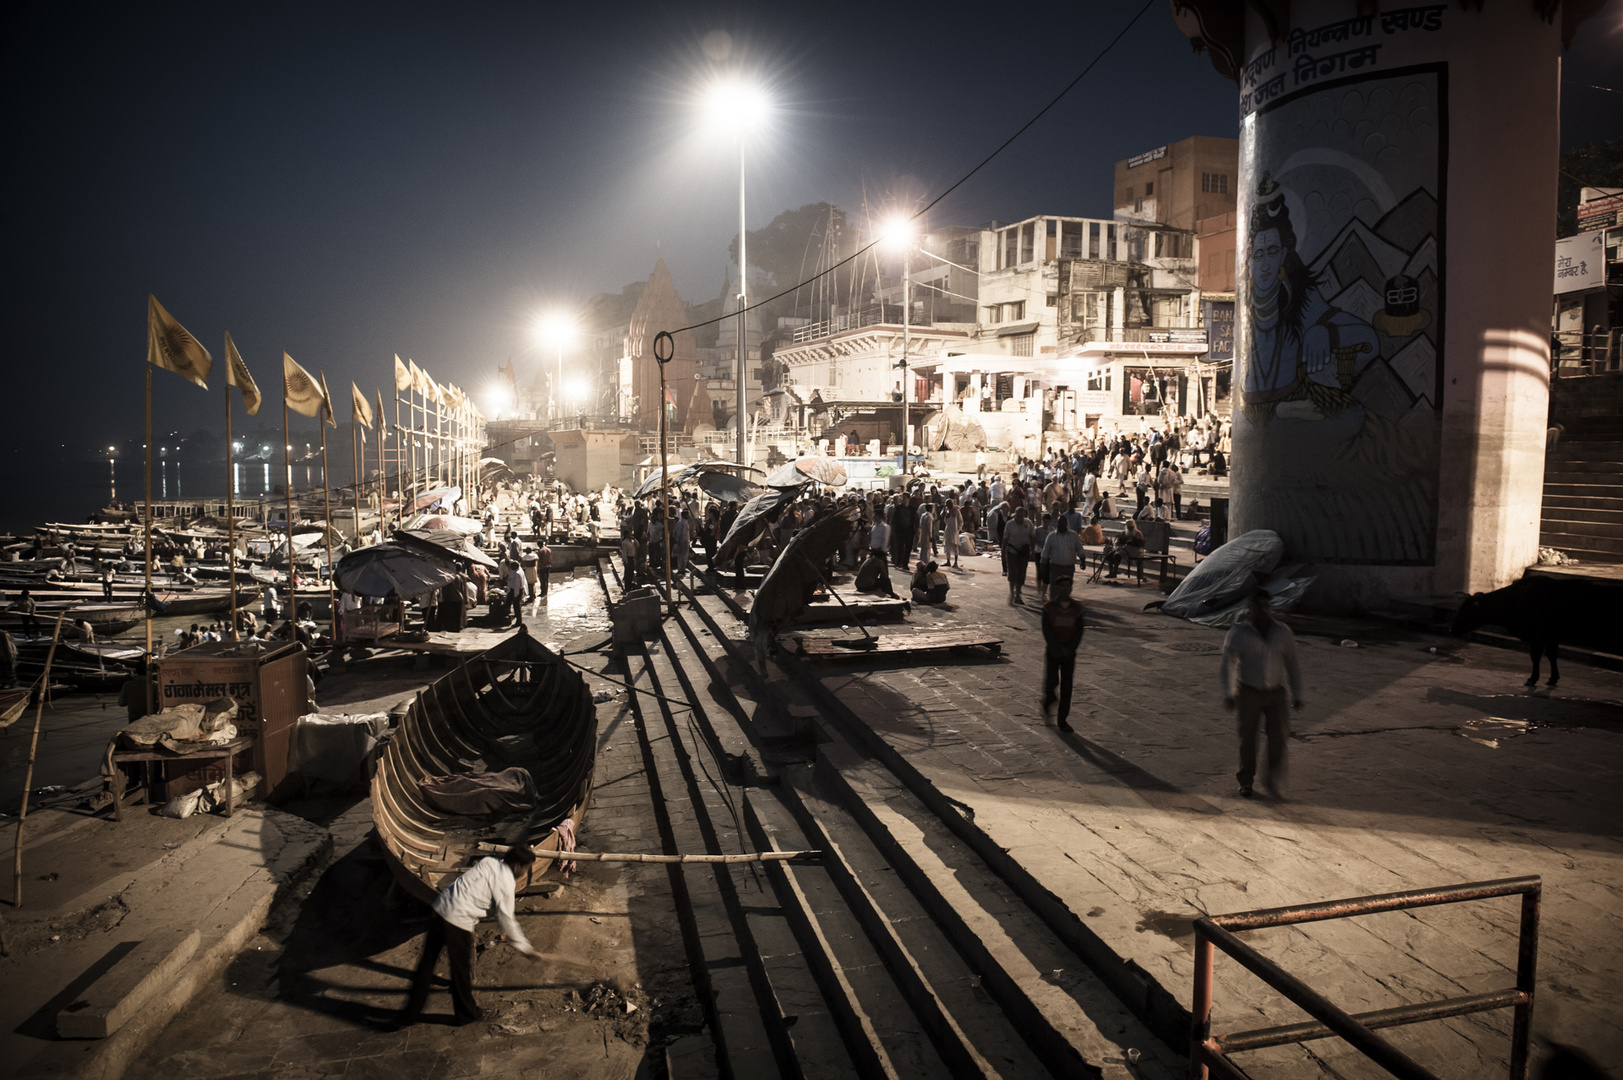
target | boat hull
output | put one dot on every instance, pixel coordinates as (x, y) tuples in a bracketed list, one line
[(516, 704)]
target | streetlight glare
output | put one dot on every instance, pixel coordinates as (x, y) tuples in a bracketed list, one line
[(897, 233), (576, 389), (734, 104), (555, 328)]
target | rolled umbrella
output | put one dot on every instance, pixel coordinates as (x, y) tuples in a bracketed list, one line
[(797, 572), (728, 488), (391, 568), (753, 521)]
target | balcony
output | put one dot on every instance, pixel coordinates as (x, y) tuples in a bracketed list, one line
[(1181, 335)]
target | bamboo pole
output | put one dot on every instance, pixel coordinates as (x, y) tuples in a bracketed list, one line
[(383, 475), (355, 448), (33, 753), (608, 856)]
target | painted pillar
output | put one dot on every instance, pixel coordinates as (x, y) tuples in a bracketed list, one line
[(1397, 174)]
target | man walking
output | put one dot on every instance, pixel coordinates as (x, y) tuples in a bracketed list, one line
[(1259, 655), (1062, 635), (487, 888)]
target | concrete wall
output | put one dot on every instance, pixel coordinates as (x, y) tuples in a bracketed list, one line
[(589, 459), (1398, 148)]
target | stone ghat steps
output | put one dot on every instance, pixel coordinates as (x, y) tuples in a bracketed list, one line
[(925, 961), (1582, 513)]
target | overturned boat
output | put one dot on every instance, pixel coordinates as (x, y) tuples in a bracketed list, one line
[(515, 710)]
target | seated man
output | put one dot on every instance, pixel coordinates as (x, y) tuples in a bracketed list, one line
[(874, 575), (929, 584), (1109, 559)]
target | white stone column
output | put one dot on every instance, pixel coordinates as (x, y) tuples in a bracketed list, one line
[(1391, 382)]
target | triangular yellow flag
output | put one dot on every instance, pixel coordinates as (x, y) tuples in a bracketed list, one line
[(402, 377), (236, 374), (382, 424), (419, 381), (362, 407), (302, 392), (326, 401), (170, 347)]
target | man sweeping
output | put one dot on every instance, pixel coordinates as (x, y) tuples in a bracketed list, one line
[(488, 888)]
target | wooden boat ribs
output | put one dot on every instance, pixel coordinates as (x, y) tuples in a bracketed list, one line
[(516, 704)]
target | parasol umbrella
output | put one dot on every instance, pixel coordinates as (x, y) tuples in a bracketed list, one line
[(444, 542), (449, 522), (699, 469), (804, 470), (753, 521), (726, 487), (387, 568), (797, 572)]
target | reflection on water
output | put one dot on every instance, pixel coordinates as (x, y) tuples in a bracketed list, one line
[(574, 607)]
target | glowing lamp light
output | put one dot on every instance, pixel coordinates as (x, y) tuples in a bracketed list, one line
[(897, 233), (555, 328), (735, 104), (576, 389)]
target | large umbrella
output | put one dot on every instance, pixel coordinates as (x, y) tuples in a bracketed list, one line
[(387, 568), (438, 542), (753, 522), (797, 573), (699, 469), (726, 487), (804, 470)]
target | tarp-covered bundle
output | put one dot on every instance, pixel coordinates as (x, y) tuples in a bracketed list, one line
[(184, 727), (1215, 592)]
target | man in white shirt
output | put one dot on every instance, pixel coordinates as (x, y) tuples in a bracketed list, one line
[(486, 888), (1258, 667)]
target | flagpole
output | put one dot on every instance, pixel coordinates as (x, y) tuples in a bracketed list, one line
[(326, 495), (415, 448), (230, 501), (399, 462), (355, 444), (287, 463), (146, 601), (383, 477)]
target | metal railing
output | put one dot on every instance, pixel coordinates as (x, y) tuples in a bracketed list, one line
[(1209, 1052), (1580, 352)]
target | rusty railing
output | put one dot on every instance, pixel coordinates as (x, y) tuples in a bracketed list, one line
[(1210, 1054)]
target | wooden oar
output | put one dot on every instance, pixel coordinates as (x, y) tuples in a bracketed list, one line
[(606, 856)]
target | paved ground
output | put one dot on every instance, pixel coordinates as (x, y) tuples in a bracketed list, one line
[(1419, 761)]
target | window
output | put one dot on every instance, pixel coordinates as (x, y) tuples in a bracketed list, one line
[(1053, 300), (1021, 345), (1071, 240), (1127, 198), (1011, 248), (994, 313), (1053, 227), (1028, 242), (1214, 183), (1093, 239), (1149, 189), (1099, 379), (1110, 241), (1015, 312)]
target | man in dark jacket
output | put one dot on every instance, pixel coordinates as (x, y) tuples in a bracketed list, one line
[(1062, 636)]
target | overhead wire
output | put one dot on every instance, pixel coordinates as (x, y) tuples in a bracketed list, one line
[(953, 187)]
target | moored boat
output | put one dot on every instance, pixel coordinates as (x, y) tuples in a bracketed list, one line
[(516, 705)]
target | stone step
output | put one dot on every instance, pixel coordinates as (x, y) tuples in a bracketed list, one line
[(119, 993), (973, 1036), (1578, 526), (1581, 546), (1582, 500), (1554, 512), (1572, 466), (1585, 448), (1584, 491), (723, 958), (1068, 1016), (864, 1003)]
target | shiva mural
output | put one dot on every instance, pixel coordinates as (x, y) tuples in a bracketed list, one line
[(1337, 416)]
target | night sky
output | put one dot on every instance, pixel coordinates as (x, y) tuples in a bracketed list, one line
[(350, 181)]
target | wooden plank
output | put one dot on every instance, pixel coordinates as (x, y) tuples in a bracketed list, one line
[(845, 645)]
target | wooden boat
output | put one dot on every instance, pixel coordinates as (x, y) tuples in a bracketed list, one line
[(13, 703), (516, 704)]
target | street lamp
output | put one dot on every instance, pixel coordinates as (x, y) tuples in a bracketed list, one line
[(898, 236), (736, 105), (557, 328)]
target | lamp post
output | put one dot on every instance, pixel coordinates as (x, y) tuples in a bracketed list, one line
[(899, 235), (558, 328), (734, 106)]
